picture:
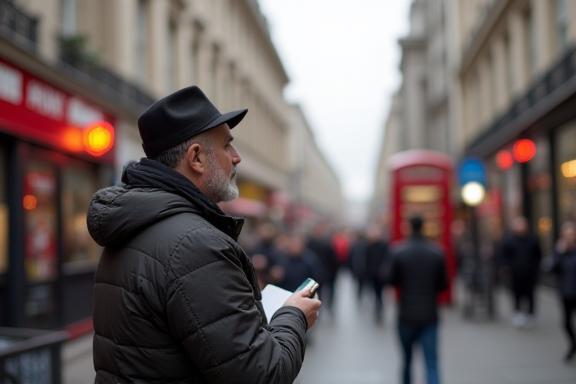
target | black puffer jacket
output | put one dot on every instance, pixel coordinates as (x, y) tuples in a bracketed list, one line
[(176, 299)]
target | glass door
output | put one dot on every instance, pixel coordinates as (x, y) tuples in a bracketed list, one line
[(39, 199)]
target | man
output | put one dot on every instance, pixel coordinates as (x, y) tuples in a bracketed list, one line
[(319, 243), (521, 256), (176, 299), (419, 272), (376, 263)]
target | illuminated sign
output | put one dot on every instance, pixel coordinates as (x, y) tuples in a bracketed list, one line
[(421, 194), (99, 138), (568, 169), (504, 160), (35, 110), (524, 150)]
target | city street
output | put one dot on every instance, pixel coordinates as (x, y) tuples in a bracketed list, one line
[(351, 349)]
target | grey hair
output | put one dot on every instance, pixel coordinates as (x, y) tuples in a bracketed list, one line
[(173, 156)]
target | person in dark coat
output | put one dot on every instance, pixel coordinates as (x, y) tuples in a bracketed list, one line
[(418, 271), (358, 262), (299, 263), (376, 253), (564, 265), (319, 243), (176, 299), (521, 255), (266, 257)]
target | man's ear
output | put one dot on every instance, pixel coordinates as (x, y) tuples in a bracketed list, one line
[(196, 158)]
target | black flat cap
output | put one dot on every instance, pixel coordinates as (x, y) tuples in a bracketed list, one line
[(179, 117)]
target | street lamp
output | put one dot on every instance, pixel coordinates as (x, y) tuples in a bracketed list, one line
[(472, 177), (473, 193)]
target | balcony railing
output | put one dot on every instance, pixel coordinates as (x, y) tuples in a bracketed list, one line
[(17, 25), (542, 90), (86, 67)]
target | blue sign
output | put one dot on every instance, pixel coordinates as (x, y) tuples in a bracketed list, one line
[(471, 169)]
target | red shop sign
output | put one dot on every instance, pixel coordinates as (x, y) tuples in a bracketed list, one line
[(36, 110)]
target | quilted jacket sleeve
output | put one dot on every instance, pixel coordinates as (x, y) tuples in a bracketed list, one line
[(212, 311)]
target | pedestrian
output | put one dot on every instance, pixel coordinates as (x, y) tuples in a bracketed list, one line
[(358, 262), (175, 297), (418, 271), (319, 243), (300, 263), (266, 257), (376, 263), (564, 265), (521, 256)]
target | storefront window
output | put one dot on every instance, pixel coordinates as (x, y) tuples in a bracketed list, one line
[(40, 219), (539, 186), (566, 170), (3, 217), (78, 185)]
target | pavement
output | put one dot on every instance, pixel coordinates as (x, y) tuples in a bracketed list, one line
[(351, 348)]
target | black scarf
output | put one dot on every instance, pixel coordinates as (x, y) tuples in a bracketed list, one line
[(149, 173)]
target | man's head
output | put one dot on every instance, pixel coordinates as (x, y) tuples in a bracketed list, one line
[(520, 225), (186, 132), (416, 224)]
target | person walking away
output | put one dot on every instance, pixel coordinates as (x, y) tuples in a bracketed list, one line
[(358, 262), (319, 243), (376, 263), (564, 266), (175, 297), (418, 271), (522, 255)]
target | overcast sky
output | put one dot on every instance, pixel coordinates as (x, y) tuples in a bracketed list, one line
[(342, 58)]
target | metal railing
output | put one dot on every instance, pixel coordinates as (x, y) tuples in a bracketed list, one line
[(86, 67), (30, 356), (17, 25)]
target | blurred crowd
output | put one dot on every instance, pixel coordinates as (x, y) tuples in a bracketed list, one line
[(515, 262)]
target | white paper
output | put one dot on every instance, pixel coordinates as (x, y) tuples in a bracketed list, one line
[(273, 298)]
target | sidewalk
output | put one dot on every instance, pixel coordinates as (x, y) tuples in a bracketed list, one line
[(77, 360)]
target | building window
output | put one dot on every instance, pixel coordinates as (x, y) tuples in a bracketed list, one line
[(508, 64), (531, 43), (68, 17), (142, 41), (562, 25), (78, 185), (3, 217), (566, 170), (171, 55)]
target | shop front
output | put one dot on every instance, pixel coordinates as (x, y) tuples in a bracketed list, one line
[(56, 149)]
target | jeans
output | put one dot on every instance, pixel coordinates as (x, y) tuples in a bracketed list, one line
[(427, 337)]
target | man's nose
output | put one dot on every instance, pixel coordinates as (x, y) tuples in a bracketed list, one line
[(236, 157)]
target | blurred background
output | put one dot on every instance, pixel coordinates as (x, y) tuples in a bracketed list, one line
[(361, 114)]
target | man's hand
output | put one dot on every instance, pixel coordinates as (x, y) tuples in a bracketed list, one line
[(310, 306)]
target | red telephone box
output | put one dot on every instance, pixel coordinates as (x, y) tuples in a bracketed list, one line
[(421, 184)]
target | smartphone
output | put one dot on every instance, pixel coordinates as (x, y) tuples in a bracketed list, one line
[(311, 284)]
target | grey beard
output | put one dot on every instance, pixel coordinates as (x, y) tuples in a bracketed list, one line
[(220, 187)]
